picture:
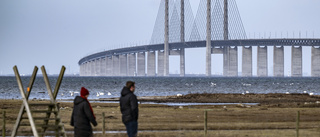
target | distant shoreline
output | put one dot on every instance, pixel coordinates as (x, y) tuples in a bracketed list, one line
[(294, 99)]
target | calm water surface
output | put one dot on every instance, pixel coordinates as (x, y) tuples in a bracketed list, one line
[(159, 86)]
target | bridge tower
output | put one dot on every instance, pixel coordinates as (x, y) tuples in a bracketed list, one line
[(208, 44), (230, 55), (225, 21), (182, 37), (226, 53), (166, 39)]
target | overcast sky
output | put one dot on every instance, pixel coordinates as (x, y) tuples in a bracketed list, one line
[(60, 32)]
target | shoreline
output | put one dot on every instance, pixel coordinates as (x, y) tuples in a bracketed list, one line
[(276, 112), (269, 99)]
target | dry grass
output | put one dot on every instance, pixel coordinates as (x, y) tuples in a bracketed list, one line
[(166, 121)]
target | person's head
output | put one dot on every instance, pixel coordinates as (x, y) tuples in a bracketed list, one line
[(130, 85), (84, 92)]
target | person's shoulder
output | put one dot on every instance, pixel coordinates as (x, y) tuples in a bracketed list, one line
[(133, 95), (84, 102)]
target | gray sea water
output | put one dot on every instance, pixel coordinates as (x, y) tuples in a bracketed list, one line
[(159, 86)]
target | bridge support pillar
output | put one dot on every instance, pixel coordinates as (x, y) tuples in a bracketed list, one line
[(230, 61), (182, 62), (123, 65), (88, 72), (233, 61), (262, 61), (100, 67), (217, 50), (141, 64), (93, 68), (315, 61), (81, 69), (97, 68), (160, 63), (208, 43), (226, 61), (109, 66), (132, 64), (296, 61), (89, 68), (103, 67), (115, 65), (151, 63), (278, 61), (86, 68), (247, 61)]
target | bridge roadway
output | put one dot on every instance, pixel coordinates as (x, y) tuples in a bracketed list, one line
[(196, 44)]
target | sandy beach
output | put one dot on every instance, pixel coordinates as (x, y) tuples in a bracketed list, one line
[(271, 115)]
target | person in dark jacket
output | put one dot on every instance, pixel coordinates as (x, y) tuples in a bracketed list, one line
[(129, 109), (82, 115)]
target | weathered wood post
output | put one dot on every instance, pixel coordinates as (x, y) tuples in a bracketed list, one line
[(205, 122), (4, 124), (297, 124), (57, 122), (103, 124)]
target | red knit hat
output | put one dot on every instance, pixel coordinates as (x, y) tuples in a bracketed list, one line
[(84, 92)]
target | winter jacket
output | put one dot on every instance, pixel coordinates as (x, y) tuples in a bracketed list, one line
[(129, 106), (81, 118)]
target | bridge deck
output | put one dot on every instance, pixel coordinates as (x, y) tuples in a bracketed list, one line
[(194, 44)]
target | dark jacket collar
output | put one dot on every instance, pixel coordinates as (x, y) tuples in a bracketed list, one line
[(78, 100), (125, 91)]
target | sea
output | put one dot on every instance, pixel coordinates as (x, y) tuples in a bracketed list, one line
[(110, 87)]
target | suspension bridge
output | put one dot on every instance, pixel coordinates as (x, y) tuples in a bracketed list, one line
[(218, 27)]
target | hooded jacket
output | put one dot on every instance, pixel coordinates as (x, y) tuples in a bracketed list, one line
[(81, 118), (128, 106)]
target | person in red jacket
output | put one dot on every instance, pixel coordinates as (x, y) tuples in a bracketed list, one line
[(82, 115)]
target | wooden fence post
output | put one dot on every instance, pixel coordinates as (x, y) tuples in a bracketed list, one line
[(297, 124), (103, 124), (4, 124), (205, 122)]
